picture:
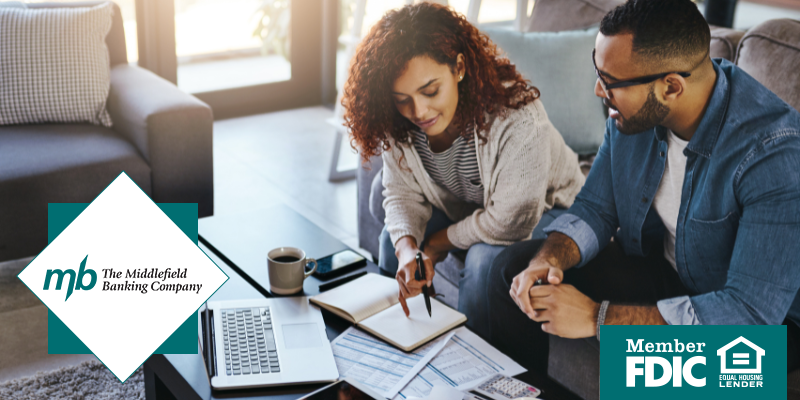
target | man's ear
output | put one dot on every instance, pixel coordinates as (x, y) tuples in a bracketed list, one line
[(674, 88)]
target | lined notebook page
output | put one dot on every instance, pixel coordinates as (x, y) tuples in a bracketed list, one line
[(362, 297), (408, 333)]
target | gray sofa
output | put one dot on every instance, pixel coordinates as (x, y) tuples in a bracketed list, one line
[(161, 138), (770, 52)]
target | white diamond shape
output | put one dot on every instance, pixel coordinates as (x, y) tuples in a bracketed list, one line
[(123, 229)]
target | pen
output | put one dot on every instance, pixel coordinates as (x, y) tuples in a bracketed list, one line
[(340, 281), (421, 268), (209, 343)]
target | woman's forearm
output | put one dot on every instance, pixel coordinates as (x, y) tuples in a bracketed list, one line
[(405, 243), (439, 242)]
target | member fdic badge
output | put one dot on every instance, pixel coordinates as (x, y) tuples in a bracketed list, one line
[(693, 362)]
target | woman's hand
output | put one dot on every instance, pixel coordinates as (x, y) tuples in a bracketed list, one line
[(406, 250), (437, 246)]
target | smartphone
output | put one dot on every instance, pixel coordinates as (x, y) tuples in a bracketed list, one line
[(339, 263)]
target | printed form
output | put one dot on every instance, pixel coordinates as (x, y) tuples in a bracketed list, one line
[(465, 361), (375, 363)]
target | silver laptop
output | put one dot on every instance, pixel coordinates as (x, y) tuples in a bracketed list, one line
[(269, 342)]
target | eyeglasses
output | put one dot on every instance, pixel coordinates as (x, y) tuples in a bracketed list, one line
[(630, 82)]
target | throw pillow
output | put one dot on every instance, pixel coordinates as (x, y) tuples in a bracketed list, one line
[(13, 4), (559, 64), (54, 65), (567, 15)]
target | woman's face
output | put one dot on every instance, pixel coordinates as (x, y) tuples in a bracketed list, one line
[(427, 93)]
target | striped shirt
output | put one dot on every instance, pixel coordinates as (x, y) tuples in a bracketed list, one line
[(455, 169)]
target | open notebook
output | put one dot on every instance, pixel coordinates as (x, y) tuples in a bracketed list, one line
[(371, 303)]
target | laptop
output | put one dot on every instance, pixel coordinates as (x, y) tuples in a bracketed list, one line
[(268, 342)]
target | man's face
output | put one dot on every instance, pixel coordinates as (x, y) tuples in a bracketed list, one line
[(634, 109)]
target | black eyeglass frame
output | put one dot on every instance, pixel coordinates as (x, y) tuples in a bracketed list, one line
[(631, 82)]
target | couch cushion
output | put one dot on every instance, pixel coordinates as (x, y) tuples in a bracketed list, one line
[(770, 52), (376, 198), (559, 64), (567, 15), (56, 163), (724, 42)]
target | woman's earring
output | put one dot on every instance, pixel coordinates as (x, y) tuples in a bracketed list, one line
[(460, 78)]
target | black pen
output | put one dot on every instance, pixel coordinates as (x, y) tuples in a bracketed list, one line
[(340, 281), (421, 268)]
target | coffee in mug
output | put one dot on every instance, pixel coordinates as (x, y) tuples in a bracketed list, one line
[(287, 259), (286, 267)]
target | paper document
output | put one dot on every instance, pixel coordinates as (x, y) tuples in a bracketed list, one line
[(465, 361), (442, 393), (379, 365)]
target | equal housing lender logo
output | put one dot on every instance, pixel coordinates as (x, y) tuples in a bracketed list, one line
[(122, 277), (692, 362)]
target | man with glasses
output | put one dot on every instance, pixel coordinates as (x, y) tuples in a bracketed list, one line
[(698, 183)]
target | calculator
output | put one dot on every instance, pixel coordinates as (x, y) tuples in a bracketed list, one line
[(501, 387)]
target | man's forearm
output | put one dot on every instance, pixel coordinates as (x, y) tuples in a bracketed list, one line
[(633, 315), (560, 251)]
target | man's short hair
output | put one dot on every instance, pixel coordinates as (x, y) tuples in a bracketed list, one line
[(663, 30)]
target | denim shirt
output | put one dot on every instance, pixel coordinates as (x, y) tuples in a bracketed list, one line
[(738, 231)]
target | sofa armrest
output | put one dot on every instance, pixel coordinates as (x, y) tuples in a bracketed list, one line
[(171, 129), (369, 228)]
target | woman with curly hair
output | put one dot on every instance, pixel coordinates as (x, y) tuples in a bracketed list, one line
[(470, 159)]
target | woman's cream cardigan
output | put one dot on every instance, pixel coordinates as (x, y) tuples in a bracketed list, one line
[(526, 169)]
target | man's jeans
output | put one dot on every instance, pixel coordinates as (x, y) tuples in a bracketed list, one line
[(472, 287)]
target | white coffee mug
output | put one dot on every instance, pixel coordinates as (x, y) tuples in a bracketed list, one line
[(286, 267)]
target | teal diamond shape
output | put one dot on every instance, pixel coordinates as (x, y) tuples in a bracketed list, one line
[(61, 340)]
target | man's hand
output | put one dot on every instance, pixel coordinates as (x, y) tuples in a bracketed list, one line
[(406, 251), (558, 253), (564, 311), (538, 269)]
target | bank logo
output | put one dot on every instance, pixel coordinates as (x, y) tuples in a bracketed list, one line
[(75, 282), (145, 277), (693, 362)]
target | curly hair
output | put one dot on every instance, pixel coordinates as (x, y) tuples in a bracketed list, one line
[(491, 83)]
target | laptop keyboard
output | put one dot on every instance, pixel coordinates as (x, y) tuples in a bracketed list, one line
[(249, 341)]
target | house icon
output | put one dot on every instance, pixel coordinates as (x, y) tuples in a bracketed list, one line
[(740, 358)]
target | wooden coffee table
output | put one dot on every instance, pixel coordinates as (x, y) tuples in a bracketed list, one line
[(238, 245)]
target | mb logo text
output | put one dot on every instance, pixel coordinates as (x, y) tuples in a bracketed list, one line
[(76, 281)]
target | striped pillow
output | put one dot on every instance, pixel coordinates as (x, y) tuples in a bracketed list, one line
[(54, 65)]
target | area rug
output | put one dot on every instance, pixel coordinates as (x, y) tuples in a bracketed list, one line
[(89, 380)]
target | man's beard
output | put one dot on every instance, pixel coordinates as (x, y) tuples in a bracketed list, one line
[(652, 113)]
